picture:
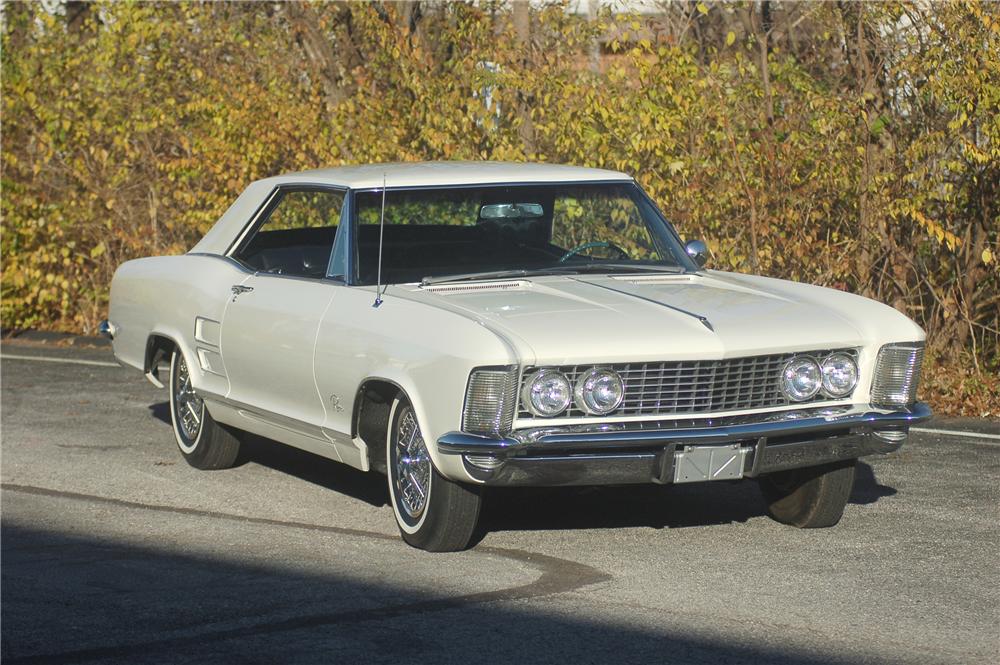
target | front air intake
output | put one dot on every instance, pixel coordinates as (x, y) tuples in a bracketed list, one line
[(480, 287)]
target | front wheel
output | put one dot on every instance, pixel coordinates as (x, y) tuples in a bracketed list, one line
[(813, 497), (432, 512), (204, 443)]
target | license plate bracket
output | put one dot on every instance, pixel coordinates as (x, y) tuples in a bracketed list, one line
[(695, 464)]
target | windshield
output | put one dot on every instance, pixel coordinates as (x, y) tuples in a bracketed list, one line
[(470, 232)]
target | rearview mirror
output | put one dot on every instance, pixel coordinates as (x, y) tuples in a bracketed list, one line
[(511, 211)]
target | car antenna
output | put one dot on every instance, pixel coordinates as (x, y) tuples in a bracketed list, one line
[(381, 228)]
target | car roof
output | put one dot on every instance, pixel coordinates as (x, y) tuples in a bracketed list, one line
[(409, 174), (428, 174)]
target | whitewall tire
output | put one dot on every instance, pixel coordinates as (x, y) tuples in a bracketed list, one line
[(204, 443), (432, 512)]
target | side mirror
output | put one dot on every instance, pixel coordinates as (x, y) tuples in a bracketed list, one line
[(698, 251)]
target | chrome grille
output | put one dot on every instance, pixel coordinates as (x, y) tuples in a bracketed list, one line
[(698, 386)]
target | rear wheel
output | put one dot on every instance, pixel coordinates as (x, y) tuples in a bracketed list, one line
[(813, 497), (204, 443), (432, 512)]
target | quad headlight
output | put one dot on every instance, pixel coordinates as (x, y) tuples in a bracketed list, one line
[(840, 374), (599, 391), (801, 378), (548, 393)]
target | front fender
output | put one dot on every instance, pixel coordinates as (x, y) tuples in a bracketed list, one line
[(428, 352)]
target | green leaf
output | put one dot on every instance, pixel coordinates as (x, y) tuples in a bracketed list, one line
[(730, 38), (702, 8)]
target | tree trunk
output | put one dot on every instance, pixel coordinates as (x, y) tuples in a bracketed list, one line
[(77, 14), (318, 50), (521, 15), (594, 49), (763, 50)]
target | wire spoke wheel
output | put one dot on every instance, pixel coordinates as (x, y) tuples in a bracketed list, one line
[(433, 512), (190, 407), (204, 443), (413, 466)]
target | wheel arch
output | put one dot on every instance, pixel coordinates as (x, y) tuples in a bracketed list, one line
[(158, 347), (389, 387), (160, 344), (370, 418)]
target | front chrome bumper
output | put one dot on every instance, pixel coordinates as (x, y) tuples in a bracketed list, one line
[(682, 451)]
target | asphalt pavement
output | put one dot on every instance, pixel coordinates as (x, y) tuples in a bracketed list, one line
[(116, 551)]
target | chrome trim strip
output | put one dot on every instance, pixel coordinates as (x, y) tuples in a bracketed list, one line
[(263, 209), (624, 180), (271, 201), (570, 470), (703, 320), (270, 418), (228, 259), (683, 260), (865, 419), (800, 454)]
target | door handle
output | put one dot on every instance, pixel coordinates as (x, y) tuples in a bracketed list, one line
[(239, 289)]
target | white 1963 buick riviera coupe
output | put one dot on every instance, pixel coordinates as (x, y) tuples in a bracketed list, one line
[(462, 325)]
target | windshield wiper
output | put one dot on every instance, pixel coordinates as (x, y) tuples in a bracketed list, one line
[(627, 267), (574, 269), (499, 274)]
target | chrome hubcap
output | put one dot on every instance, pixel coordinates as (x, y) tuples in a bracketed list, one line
[(188, 406), (413, 466)]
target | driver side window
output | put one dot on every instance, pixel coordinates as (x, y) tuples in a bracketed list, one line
[(297, 236)]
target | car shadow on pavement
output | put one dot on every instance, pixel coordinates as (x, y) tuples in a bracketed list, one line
[(367, 487), (160, 411), (867, 488), (80, 598), (651, 506)]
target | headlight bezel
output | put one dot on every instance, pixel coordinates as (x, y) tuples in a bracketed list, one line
[(527, 392), (583, 397), (801, 396), (855, 375)]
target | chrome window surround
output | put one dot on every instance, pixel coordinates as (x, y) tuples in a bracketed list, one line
[(677, 252), (897, 373), (698, 386), (490, 400), (263, 212)]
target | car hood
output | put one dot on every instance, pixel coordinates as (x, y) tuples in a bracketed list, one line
[(580, 318)]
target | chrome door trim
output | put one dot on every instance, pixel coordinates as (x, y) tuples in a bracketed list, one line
[(276, 419)]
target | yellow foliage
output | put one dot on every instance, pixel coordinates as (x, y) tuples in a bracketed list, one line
[(130, 137)]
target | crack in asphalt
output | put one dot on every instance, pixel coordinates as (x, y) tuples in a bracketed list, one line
[(557, 576)]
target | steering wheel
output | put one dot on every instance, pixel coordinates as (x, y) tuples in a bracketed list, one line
[(590, 245)]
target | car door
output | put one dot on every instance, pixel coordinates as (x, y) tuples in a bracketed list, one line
[(270, 326)]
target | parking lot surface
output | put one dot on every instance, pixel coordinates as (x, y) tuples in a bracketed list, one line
[(116, 551)]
